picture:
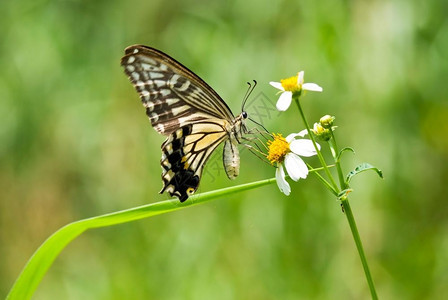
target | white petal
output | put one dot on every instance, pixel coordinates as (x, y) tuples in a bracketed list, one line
[(312, 87), (300, 78), (295, 167), (284, 101), (303, 147), (303, 133), (291, 137), (282, 184), (277, 85)]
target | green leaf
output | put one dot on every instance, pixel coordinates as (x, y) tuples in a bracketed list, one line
[(44, 256), (361, 168), (344, 150)]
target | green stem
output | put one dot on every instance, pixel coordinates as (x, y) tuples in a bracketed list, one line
[(335, 151), (345, 203), (322, 179), (350, 218), (319, 154), (357, 238), (311, 169)]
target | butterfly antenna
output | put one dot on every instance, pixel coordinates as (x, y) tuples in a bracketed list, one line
[(245, 95), (249, 91)]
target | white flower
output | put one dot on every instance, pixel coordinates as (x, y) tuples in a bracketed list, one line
[(287, 152), (290, 86)]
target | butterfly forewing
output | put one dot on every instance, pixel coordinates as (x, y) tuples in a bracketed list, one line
[(173, 95), (182, 106)]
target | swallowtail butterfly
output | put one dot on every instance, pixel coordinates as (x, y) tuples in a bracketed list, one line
[(195, 119)]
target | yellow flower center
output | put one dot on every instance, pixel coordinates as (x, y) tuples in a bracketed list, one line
[(290, 84), (278, 148)]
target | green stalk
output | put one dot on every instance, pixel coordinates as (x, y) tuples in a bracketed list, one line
[(319, 154), (357, 238), (334, 151), (324, 182), (350, 218)]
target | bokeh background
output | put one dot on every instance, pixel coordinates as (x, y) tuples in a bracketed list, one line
[(75, 143)]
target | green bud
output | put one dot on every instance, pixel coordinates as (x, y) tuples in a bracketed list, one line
[(321, 132), (327, 121)]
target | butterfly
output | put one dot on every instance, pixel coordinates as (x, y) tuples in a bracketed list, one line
[(183, 107)]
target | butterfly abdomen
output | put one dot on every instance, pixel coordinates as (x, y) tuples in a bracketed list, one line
[(231, 159)]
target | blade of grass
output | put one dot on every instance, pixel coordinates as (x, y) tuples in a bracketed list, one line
[(40, 262)]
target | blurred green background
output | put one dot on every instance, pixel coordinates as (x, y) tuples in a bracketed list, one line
[(75, 143)]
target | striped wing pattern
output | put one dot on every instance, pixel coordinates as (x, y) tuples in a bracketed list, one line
[(183, 107), (172, 94), (184, 154)]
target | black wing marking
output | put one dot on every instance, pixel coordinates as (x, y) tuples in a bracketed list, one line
[(185, 153)]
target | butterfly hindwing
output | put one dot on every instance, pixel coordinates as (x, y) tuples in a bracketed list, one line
[(185, 153)]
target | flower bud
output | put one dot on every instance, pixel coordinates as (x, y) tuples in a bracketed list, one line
[(327, 121), (321, 132)]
